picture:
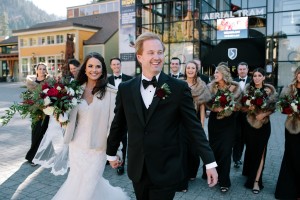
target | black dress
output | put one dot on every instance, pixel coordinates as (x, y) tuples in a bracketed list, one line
[(38, 131), (288, 184), (256, 145), (221, 134)]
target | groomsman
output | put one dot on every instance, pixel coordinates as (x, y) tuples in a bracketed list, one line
[(238, 147), (115, 80), (154, 106), (175, 68)]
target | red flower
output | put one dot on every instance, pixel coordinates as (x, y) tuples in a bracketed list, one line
[(287, 110), (160, 93), (45, 86), (244, 99), (28, 101), (223, 100), (52, 92), (259, 101)]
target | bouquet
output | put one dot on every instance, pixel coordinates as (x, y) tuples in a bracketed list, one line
[(223, 99), (255, 97), (53, 97), (289, 105)]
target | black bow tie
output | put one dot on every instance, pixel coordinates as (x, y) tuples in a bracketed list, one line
[(116, 77), (152, 82), (174, 76), (241, 79)]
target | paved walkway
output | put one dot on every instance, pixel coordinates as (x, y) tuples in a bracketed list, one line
[(19, 180)]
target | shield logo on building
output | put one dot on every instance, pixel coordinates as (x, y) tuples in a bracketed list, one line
[(232, 53)]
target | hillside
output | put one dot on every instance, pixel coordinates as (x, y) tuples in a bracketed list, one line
[(20, 14)]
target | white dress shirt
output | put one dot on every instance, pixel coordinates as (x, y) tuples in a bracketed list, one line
[(118, 80), (242, 83)]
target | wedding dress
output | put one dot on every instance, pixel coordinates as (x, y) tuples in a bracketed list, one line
[(85, 180)]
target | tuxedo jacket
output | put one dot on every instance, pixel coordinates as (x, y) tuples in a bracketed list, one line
[(247, 80), (155, 139), (111, 79), (180, 75), (203, 78)]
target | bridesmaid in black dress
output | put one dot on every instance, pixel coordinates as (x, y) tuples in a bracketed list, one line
[(40, 127), (288, 184), (258, 130), (221, 128)]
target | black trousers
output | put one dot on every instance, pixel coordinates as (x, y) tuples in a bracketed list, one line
[(124, 143), (37, 134), (146, 190), (239, 144)]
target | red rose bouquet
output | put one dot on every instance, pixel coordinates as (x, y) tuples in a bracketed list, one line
[(255, 97), (289, 105), (52, 97), (223, 99)]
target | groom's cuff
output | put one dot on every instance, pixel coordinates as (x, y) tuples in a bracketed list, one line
[(210, 165), (111, 158)]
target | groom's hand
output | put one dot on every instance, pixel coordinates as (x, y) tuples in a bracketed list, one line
[(212, 177)]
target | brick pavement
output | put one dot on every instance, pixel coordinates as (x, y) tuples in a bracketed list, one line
[(19, 180)]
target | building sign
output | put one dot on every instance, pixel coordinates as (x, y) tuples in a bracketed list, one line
[(232, 53), (232, 28), (231, 14), (127, 30)]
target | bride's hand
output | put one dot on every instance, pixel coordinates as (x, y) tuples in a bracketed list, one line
[(116, 163)]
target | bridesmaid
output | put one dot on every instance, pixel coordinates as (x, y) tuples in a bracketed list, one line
[(221, 129), (288, 184), (201, 95), (40, 127), (258, 130)]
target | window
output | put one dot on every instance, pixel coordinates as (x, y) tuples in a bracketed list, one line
[(59, 39), (70, 13), (32, 41), (23, 42), (24, 67), (287, 22), (41, 41), (50, 39)]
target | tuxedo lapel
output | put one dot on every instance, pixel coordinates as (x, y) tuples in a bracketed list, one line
[(161, 80), (137, 98)]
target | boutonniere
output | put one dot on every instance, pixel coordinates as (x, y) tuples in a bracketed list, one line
[(163, 92)]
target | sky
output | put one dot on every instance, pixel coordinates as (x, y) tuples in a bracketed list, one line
[(58, 7)]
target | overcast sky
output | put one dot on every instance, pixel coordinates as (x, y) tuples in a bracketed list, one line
[(58, 7)]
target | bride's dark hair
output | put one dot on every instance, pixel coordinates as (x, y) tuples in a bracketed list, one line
[(102, 80)]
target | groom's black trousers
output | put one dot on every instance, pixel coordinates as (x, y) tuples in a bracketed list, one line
[(146, 190)]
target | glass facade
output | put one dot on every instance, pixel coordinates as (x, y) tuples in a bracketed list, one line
[(189, 30)]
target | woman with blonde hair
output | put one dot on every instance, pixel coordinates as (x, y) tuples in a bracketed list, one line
[(221, 123), (40, 127), (288, 184)]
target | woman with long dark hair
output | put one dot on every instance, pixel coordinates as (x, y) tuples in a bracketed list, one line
[(258, 128), (288, 184), (40, 127), (86, 134)]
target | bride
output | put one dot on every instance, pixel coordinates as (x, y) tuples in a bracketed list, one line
[(86, 134)]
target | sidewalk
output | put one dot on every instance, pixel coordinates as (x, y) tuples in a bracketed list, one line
[(19, 180)]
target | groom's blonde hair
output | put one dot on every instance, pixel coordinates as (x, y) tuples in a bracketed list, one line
[(143, 37)]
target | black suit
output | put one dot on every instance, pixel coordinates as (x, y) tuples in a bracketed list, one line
[(203, 78), (238, 147), (111, 80), (154, 134), (180, 75)]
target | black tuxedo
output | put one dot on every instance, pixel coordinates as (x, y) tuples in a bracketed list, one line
[(203, 78), (238, 147), (111, 79), (155, 137), (180, 75)]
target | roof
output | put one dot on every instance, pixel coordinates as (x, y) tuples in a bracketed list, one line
[(107, 24), (10, 40)]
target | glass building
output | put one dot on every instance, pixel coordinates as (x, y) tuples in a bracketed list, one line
[(263, 33)]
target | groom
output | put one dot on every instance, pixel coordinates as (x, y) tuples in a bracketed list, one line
[(154, 118)]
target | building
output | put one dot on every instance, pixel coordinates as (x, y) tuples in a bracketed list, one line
[(263, 33), (9, 60), (46, 42)]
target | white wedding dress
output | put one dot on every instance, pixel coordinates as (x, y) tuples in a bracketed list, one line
[(85, 180)]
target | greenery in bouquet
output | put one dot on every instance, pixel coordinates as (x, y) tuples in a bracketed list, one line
[(289, 105), (255, 97), (223, 99), (53, 97)]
